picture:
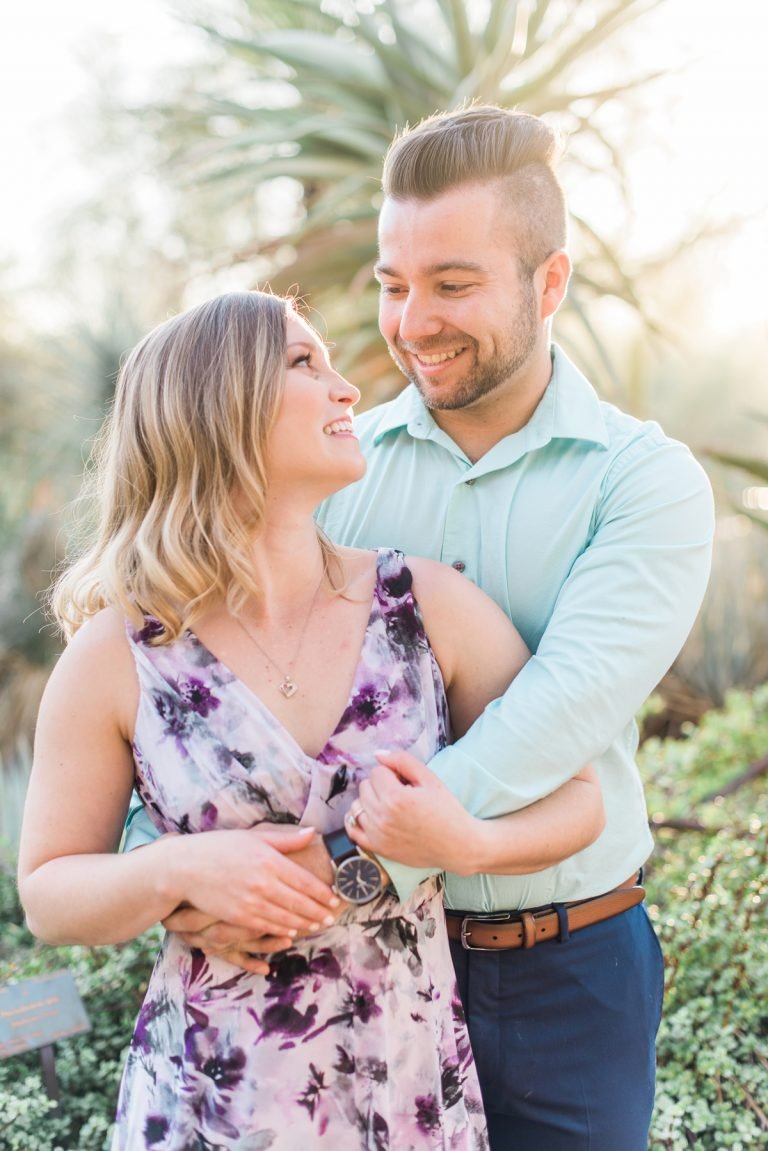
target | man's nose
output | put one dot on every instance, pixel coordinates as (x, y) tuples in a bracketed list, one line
[(419, 318)]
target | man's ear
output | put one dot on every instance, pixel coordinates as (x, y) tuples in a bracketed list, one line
[(553, 276)]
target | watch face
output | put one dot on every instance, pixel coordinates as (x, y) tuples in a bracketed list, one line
[(358, 880)]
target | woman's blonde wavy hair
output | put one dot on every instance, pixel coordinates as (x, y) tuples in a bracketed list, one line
[(178, 477)]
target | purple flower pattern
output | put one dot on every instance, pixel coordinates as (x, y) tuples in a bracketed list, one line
[(355, 1041)]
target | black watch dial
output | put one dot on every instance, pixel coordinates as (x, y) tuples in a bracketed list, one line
[(358, 880)]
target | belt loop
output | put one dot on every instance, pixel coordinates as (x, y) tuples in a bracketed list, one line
[(529, 929), (562, 919)]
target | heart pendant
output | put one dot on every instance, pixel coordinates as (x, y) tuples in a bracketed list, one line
[(288, 687)]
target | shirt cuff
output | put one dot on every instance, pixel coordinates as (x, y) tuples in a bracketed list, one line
[(405, 879)]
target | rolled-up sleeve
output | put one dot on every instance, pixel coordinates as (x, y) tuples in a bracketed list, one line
[(619, 621)]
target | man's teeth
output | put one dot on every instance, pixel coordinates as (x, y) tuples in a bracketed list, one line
[(337, 426), (439, 358)]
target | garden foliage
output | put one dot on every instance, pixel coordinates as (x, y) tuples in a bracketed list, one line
[(708, 896)]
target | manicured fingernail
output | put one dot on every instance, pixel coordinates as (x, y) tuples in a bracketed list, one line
[(329, 921), (314, 927), (292, 932), (333, 901)]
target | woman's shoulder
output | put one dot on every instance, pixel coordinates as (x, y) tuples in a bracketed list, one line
[(452, 605), (99, 646), (95, 672), (105, 629)]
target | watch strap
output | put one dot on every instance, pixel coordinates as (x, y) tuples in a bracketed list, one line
[(339, 845)]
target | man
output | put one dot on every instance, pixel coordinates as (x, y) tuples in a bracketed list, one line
[(593, 531)]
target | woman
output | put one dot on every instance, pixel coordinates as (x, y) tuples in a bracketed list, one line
[(218, 638)]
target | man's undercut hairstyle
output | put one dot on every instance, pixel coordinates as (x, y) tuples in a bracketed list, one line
[(483, 144)]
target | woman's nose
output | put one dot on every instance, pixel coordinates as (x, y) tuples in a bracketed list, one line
[(345, 392)]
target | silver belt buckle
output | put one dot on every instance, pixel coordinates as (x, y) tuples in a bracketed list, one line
[(496, 917)]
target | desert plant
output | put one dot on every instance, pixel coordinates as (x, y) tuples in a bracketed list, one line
[(728, 645), (298, 106), (757, 468)]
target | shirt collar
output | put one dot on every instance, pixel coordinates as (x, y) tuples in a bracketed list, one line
[(569, 409)]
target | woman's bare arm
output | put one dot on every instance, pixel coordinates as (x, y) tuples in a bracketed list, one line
[(74, 886)]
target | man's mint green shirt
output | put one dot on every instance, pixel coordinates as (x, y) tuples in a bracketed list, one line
[(592, 530)]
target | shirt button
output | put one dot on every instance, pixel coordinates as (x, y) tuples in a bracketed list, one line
[(459, 565), (469, 482)]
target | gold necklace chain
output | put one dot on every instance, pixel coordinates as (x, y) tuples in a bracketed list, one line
[(287, 686)]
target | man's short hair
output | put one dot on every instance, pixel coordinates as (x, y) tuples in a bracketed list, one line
[(482, 144)]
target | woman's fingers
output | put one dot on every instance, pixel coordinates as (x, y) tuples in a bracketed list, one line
[(250, 880)]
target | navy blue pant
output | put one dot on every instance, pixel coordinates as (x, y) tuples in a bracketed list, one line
[(564, 1036)]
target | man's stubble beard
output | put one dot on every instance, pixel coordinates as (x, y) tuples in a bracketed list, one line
[(483, 378)]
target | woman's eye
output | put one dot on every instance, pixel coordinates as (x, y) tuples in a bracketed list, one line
[(304, 359)]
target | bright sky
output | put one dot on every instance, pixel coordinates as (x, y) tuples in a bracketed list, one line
[(708, 158)]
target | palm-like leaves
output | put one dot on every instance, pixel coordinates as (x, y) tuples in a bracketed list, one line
[(754, 466), (315, 93)]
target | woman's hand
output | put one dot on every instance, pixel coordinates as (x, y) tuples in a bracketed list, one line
[(410, 816), (255, 879), (407, 814), (243, 945)]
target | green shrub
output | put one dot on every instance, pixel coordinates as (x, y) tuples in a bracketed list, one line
[(112, 982), (708, 896)]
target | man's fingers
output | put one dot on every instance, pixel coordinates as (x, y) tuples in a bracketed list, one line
[(187, 919), (248, 962)]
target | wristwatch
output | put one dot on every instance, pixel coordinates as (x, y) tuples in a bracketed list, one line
[(357, 876)]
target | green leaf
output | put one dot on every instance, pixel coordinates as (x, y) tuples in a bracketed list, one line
[(755, 466)]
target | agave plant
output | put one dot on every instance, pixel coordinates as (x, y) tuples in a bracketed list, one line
[(293, 120), (755, 467)]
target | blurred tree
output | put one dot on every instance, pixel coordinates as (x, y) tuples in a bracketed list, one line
[(295, 110), (54, 391)]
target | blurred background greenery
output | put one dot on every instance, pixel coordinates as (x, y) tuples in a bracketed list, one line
[(158, 153)]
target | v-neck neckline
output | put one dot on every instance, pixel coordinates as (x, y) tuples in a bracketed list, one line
[(374, 609)]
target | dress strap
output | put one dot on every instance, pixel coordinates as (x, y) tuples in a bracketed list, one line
[(396, 602)]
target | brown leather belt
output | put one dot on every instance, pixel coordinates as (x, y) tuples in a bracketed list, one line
[(506, 930)]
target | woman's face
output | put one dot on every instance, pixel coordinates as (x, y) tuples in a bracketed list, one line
[(312, 445)]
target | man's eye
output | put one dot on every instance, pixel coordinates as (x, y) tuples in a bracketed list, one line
[(454, 287), (390, 289)]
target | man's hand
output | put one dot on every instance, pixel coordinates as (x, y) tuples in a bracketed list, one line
[(237, 945), (410, 816)]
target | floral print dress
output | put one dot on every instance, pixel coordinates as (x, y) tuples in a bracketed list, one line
[(355, 1040)]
